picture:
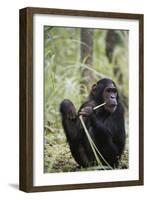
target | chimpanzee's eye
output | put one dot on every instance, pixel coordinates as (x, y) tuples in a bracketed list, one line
[(113, 90), (109, 90)]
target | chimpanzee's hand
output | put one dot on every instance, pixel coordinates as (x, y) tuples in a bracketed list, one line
[(86, 111)]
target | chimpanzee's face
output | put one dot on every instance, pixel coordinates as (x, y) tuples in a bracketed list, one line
[(110, 98)]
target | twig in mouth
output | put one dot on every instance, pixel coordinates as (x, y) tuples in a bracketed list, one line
[(96, 107)]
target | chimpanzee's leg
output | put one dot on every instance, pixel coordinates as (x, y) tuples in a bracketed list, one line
[(70, 122)]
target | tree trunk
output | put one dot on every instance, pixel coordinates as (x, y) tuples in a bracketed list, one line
[(87, 53)]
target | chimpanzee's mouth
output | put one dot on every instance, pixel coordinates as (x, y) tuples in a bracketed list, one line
[(112, 105)]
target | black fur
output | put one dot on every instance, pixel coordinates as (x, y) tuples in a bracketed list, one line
[(106, 129)]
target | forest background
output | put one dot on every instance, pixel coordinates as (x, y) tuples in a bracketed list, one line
[(74, 59)]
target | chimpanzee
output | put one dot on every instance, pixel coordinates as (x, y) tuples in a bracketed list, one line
[(105, 125)]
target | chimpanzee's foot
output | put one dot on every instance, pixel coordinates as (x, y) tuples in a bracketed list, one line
[(68, 109)]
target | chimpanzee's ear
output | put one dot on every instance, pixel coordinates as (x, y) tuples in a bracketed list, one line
[(93, 89)]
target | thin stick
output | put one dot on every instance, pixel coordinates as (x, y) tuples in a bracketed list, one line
[(90, 141), (96, 107), (95, 150)]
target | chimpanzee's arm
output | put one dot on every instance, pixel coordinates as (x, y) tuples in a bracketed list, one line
[(73, 131)]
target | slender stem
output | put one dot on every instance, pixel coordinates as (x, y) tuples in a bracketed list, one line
[(96, 107), (90, 141), (95, 150)]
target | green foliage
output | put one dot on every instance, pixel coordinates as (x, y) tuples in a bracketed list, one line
[(62, 79)]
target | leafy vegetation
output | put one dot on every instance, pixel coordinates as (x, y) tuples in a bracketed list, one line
[(63, 79)]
